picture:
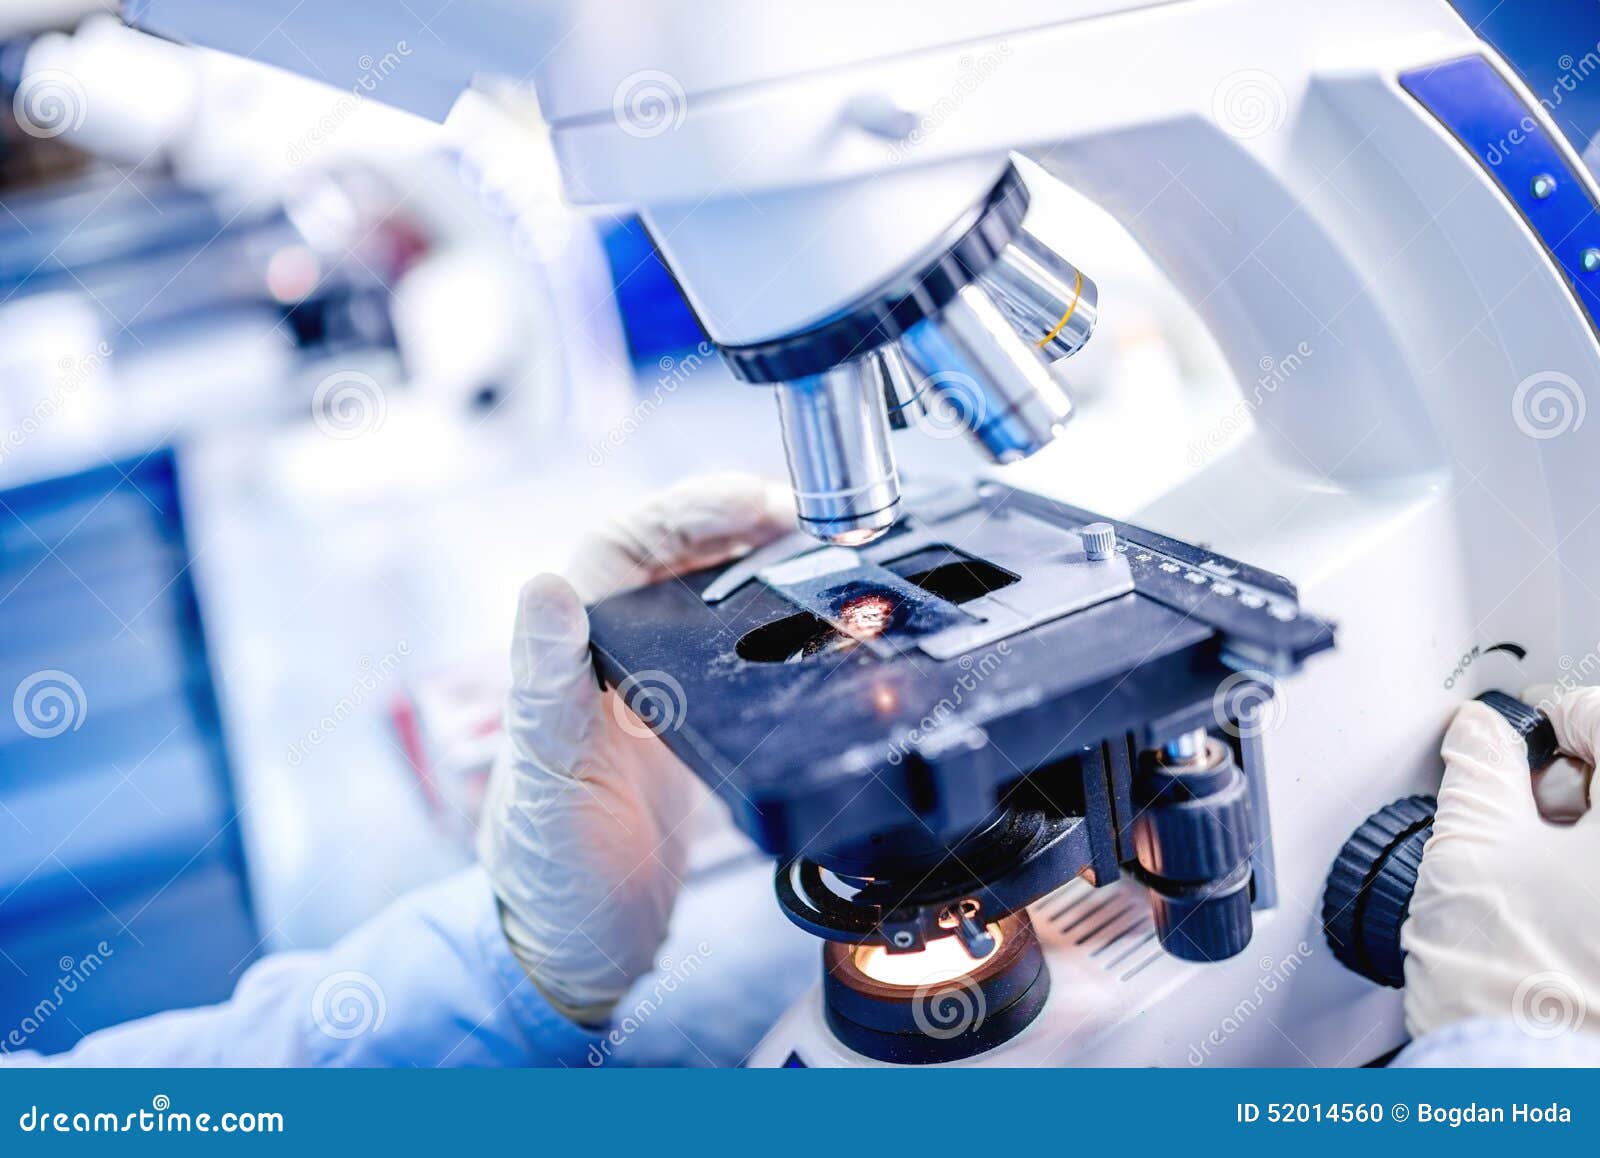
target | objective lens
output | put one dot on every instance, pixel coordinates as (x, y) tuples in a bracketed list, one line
[(903, 398), (1050, 301), (984, 378), (836, 434)]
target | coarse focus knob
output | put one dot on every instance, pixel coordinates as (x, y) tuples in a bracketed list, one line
[(1368, 896), (1369, 889)]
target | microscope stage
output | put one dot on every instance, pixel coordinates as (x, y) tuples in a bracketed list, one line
[(842, 693)]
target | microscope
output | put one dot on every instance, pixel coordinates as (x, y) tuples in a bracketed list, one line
[(1050, 787)]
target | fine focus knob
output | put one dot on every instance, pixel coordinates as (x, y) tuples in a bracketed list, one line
[(1527, 721), (1370, 886)]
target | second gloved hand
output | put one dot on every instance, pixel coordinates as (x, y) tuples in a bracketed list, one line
[(584, 830), (1503, 920)]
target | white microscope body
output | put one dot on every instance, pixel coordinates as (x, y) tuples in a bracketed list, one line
[(1422, 472)]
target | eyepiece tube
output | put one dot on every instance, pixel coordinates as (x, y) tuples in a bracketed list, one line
[(836, 434), (1053, 305), (980, 376)]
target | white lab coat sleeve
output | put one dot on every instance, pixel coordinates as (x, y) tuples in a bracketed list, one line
[(1500, 1041), (430, 981)]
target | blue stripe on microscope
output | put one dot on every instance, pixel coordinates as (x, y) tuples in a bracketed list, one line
[(1477, 105)]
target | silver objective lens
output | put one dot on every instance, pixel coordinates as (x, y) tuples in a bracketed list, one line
[(903, 397), (836, 433), (1049, 300), (977, 374)]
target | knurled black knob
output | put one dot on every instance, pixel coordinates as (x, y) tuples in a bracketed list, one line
[(1370, 885), (1192, 842), (1535, 728)]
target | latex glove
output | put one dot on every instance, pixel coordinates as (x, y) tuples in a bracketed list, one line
[(584, 833), (1505, 920)]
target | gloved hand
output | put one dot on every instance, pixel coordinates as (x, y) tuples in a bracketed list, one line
[(584, 833), (1505, 920)]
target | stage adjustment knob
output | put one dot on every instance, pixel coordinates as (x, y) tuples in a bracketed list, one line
[(1099, 540), (1192, 840)]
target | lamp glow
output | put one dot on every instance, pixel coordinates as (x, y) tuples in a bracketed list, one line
[(943, 960)]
